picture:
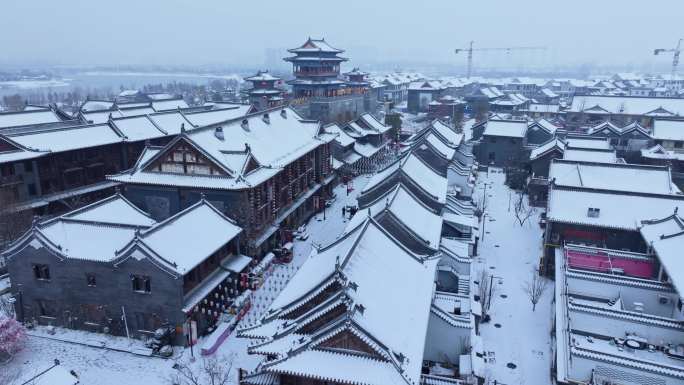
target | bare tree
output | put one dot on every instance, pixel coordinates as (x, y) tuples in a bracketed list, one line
[(210, 371), (485, 290), (535, 287), (523, 211)]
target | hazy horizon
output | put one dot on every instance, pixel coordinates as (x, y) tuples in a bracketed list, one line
[(256, 34)]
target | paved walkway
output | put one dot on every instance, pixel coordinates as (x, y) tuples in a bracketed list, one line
[(516, 335)]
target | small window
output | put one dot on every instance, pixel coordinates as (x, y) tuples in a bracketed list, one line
[(678, 144), (91, 280), (31, 189), (41, 272), (141, 283), (593, 212)]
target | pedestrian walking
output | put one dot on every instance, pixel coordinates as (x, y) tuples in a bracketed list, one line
[(344, 211)]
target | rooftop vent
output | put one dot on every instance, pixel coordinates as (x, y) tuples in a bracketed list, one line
[(245, 124), (593, 212), (283, 113), (266, 119), (218, 133)]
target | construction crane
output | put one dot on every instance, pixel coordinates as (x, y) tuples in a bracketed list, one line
[(675, 57), (470, 51)]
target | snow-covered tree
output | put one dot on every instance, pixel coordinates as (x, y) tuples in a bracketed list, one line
[(210, 371), (523, 211), (12, 337)]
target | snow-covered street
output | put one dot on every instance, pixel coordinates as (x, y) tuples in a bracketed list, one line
[(108, 367), (517, 340)]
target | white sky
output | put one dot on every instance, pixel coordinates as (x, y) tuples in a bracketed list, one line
[(180, 32)]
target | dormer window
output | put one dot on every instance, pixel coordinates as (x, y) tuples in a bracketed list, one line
[(593, 212)]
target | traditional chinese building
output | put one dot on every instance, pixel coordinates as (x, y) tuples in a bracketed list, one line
[(264, 93), (356, 79), (316, 67), (109, 267), (266, 170), (318, 88)]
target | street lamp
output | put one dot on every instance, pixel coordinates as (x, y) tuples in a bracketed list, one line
[(484, 205), (491, 282)]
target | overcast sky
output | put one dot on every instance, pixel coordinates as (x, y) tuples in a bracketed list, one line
[(182, 32)]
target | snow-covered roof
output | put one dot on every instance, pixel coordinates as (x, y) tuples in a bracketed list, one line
[(171, 122), (659, 152), (370, 121), (277, 142), (507, 128), (171, 237), (590, 155), (115, 209), (440, 146), (203, 118), (109, 230), (96, 105), (425, 177), (67, 138), (408, 209), (166, 105), (537, 107), (544, 125), (419, 173), (273, 142), (447, 134), (315, 45), (342, 137), (666, 237), (491, 92), (101, 116), (668, 129), (426, 85), (630, 105), (366, 150), (138, 128), (262, 76), (613, 176), (548, 93), (372, 268), (27, 118), (94, 232), (553, 143), (615, 210), (587, 142), (160, 96)]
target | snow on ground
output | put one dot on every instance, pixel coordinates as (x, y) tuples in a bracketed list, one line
[(510, 252), (108, 367)]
